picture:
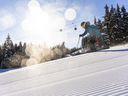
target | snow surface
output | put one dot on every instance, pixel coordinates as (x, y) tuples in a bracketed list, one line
[(103, 73)]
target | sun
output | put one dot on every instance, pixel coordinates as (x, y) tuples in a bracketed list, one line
[(43, 24), (70, 14)]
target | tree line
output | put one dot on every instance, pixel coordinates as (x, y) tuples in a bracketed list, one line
[(22, 54), (115, 24), (11, 54)]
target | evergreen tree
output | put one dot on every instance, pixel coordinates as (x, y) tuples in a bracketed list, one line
[(112, 10), (125, 22), (112, 23), (120, 22), (107, 19)]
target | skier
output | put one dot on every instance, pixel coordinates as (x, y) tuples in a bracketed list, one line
[(91, 37)]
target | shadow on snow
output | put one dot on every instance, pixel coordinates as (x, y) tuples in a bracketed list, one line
[(5, 70), (116, 50)]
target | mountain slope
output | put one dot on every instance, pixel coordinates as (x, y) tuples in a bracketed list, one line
[(92, 74)]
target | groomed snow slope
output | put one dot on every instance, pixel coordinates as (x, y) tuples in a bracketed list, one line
[(103, 73)]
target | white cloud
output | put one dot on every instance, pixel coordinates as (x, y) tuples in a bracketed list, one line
[(7, 20)]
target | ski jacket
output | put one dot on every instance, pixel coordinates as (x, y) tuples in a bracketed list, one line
[(92, 30)]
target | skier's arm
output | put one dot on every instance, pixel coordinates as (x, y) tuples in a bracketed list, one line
[(81, 35)]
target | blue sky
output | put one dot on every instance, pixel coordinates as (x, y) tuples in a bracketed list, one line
[(14, 15)]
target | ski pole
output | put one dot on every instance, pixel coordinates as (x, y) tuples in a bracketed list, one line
[(78, 42)]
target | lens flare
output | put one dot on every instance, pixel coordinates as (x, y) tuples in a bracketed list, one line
[(70, 14)]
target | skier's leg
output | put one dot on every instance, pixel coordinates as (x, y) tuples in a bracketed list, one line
[(92, 44), (83, 42)]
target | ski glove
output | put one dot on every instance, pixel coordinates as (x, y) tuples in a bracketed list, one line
[(80, 35)]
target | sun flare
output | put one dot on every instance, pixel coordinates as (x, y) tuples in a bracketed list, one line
[(41, 23), (70, 14)]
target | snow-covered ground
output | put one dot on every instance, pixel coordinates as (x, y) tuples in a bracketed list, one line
[(103, 73)]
